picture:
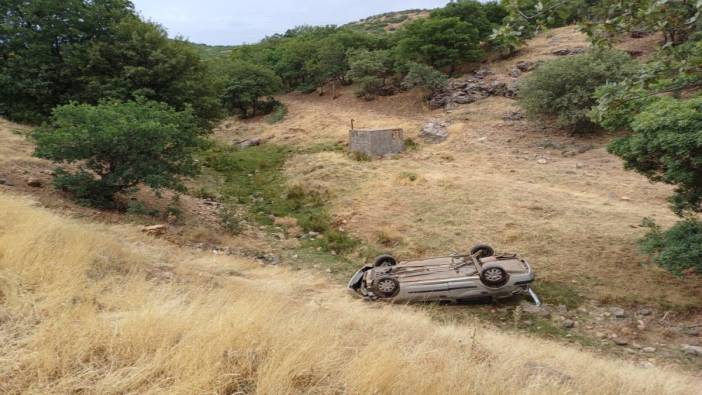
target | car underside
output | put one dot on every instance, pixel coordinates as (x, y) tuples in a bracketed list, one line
[(481, 274)]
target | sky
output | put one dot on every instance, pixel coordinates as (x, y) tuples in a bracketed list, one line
[(222, 22)]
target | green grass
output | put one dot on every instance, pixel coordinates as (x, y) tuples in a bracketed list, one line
[(556, 293), (277, 115), (254, 177)]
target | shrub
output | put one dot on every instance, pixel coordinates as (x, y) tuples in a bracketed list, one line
[(677, 249), (424, 76), (279, 112), (565, 87), (119, 145)]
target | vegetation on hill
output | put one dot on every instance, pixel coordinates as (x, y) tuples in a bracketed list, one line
[(78, 53), (117, 146)]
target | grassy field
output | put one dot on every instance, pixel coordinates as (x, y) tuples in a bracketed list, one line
[(104, 309)]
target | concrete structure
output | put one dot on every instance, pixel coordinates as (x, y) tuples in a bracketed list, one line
[(376, 142)]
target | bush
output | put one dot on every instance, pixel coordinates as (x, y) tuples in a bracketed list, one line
[(119, 145), (677, 249), (565, 87), (279, 112), (371, 70), (424, 76)]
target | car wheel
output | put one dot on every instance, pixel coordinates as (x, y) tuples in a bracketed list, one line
[(384, 260), (386, 287), (494, 276), (482, 250)]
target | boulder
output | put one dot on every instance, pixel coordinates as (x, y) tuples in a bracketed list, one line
[(617, 312), (525, 66), (434, 131), (34, 182), (692, 350)]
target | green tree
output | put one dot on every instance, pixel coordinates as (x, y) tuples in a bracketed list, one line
[(677, 249), (472, 12), (666, 146), (118, 145), (440, 42), (54, 52), (371, 70), (565, 88), (246, 84)]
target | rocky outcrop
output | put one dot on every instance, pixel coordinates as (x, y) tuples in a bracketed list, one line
[(469, 90)]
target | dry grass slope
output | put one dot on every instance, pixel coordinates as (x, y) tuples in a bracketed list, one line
[(102, 309)]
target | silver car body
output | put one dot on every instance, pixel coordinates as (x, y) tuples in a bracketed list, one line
[(450, 278)]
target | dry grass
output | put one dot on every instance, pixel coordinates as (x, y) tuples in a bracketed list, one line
[(576, 217), (99, 309)]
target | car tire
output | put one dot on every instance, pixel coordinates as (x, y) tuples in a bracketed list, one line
[(482, 250), (386, 287), (384, 260), (494, 276)]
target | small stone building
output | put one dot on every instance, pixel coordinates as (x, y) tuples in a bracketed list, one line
[(376, 142)]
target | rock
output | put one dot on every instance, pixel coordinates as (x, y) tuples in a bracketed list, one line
[(434, 131), (600, 335), (692, 331), (617, 312), (579, 165), (513, 116), (155, 230), (568, 51), (537, 369), (248, 143), (515, 73), (34, 182), (482, 73), (645, 311), (620, 341), (649, 349), (584, 148), (692, 350), (568, 324), (3, 181), (525, 66), (542, 161), (497, 88)]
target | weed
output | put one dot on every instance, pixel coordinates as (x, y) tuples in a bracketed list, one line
[(254, 177), (408, 175), (277, 115), (558, 293), (360, 157), (411, 145)]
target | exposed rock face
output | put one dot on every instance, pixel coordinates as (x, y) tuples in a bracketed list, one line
[(434, 131), (464, 91)]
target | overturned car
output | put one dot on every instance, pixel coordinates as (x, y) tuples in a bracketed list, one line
[(454, 278)]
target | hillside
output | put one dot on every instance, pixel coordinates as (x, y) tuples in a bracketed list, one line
[(110, 310), (387, 22), (560, 200), (226, 295)]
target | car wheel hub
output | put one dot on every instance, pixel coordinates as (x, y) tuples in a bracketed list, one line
[(386, 286), (493, 275)]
